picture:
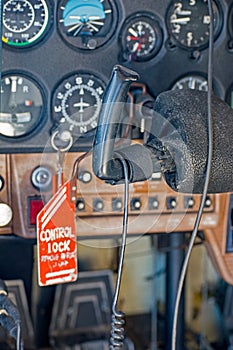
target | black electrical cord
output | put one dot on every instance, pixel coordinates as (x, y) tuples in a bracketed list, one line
[(10, 316), (208, 169), (117, 331)]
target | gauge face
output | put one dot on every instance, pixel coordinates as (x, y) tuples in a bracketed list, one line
[(141, 38), (194, 82), (188, 23), (87, 24), (21, 105), (24, 21), (77, 102)]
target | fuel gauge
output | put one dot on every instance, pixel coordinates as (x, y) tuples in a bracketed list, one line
[(141, 37), (21, 105)]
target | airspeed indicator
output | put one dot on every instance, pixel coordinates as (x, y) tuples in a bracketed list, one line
[(24, 22)]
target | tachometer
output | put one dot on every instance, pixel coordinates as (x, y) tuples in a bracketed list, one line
[(24, 21)]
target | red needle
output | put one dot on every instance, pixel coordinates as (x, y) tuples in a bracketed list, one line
[(139, 46), (132, 37)]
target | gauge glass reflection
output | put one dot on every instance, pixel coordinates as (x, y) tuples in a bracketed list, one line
[(21, 105)]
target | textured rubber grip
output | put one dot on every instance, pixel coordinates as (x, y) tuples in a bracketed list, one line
[(182, 131)]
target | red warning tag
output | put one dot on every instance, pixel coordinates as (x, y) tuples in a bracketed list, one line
[(56, 239)]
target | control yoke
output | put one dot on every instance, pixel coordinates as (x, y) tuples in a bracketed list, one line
[(105, 163)]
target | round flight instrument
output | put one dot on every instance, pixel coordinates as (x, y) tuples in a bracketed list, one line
[(24, 22), (141, 37), (21, 105), (87, 24), (194, 82), (188, 23), (77, 101)]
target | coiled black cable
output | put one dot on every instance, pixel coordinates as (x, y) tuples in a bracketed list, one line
[(118, 330), (9, 316), (118, 317)]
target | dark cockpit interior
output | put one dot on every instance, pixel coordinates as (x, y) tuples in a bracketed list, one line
[(92, 90)]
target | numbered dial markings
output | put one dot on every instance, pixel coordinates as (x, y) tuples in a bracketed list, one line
[(188, 23), (141, 38), (193, 82), (87, 24), (24, 21), (21, 105), (77, 102)]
